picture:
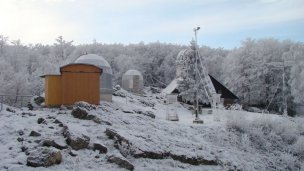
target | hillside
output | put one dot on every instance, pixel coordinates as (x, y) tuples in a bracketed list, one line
[(133, 133)]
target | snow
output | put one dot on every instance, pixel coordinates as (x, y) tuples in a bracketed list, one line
[(170, 88), (211, 140)]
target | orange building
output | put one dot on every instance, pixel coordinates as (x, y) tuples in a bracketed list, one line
[(77, 82)]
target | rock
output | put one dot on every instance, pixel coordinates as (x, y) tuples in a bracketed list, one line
[(69, 107), (150, 114), (119, 93), (117, 87), (100, 147), (51, 127), (105, 122), (61, 112), (73, 153), (79, 113), (27, 113), (30, 106), (37, 141), (155, 90), (112, 134), (90, 117), (19, 139), (85, 105), (120, 161), (10, 110), (23, 148), (97, 120), (53, 143), (20, 132), (127, 111), (146, 103), (146, 113), (40, 120), (127, 148), (78, 142), (34, 134), (51, 117), (57, 121), (39, 100), (44, 157)]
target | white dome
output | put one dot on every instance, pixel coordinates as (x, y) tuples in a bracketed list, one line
[(134, 72), (96, 60)]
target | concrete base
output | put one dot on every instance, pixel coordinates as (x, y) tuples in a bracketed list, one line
[(198, 121), (106, 97)]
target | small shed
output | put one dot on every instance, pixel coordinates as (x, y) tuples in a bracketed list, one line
[(77, 82), (133, 81), (106, 82)]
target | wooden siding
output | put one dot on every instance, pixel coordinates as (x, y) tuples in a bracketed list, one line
[(80, 87), (77, 82), (53, 90)]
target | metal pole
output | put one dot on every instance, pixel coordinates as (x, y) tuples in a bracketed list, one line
[(284, 99), (197, 119), (196, 70), (1, 103)]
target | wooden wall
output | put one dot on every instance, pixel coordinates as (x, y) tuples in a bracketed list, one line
[(53, 90), (80, 83), (77, 82)]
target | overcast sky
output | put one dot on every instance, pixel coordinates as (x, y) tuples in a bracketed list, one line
[(224, 23)]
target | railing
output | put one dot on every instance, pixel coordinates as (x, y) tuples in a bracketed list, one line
[(14, 100)]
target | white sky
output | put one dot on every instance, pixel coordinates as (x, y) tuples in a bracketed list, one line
[(224, 22)]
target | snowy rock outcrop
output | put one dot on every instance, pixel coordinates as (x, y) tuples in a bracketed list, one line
[(54, 143), (120, 161), (100, 147), (81, 113), (127, 148), (77, 141), (44, 157), (34, 134)]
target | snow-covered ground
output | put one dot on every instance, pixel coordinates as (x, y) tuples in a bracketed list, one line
[(228, 140)]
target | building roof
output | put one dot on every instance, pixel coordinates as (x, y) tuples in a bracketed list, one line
[(62, 68), (219, 88), (171, 87), (134, 72), (95, 60)]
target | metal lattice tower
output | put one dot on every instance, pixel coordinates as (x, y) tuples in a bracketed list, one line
[(208, 87)]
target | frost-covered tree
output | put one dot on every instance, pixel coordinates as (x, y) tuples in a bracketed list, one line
[(62, 49), (190, 82), (297, 73)]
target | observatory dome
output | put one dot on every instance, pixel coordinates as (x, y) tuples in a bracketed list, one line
[(134, 72), (96, 60)]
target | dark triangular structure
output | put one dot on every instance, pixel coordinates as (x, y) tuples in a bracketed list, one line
[(221, 89), (227, 96)]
